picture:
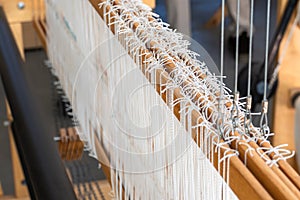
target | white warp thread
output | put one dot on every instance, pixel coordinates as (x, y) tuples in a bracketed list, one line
[(150, 151)]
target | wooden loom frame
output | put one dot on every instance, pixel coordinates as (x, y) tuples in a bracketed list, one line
[(256, 180)]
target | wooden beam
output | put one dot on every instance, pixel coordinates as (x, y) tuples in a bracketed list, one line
[(283, 118), (1, 190), (13, 198), (39, 21), (18, 175), (150, 3), (15, 14)]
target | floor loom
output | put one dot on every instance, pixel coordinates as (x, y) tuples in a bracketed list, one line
[(252, 172), (256, 169)]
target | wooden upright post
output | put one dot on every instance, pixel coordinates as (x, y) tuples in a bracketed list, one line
[(283, 118)]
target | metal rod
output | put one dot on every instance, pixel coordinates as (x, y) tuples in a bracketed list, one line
[(44, 171)]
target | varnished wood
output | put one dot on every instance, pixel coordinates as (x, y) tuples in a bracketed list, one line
[(41, 32), (16, 15), (39, 21), (1, 190), (70, 146), (20, 21), (283, 120), (150, 3), (18, 175), (268, 178), (13, 198), (244, 184), (285, 167)]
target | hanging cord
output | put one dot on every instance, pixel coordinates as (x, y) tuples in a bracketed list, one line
[(264, 127), (220, 122), (235, 106), (248, 117), (237, 45)]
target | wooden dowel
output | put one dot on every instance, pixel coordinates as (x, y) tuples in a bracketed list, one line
[(285, 180), (277, 171), (242, 181), (284, 166), (263, 172)]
